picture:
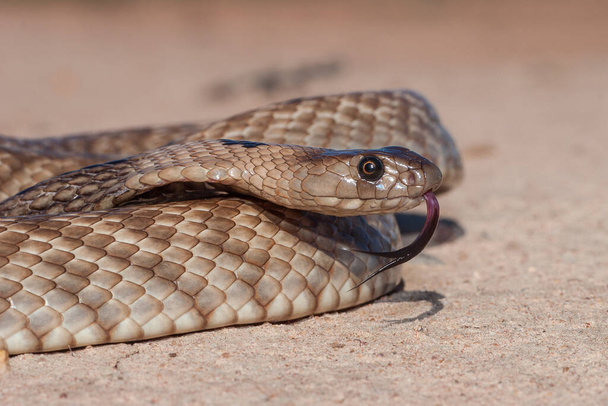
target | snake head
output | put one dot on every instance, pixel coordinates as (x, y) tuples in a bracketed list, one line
[(357, 182)]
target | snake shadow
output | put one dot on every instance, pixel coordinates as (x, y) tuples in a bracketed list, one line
[(400, 295), (410, 224)]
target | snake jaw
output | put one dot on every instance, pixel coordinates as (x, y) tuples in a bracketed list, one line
[(406, 253)]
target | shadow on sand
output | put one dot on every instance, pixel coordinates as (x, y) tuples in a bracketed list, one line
[(400, 295)]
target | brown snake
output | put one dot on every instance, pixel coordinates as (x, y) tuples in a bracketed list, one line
[(208, 231)]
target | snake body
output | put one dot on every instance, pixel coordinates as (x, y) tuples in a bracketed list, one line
[(254, 218)]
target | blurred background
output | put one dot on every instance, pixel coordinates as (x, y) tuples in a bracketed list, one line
[(69, 66)]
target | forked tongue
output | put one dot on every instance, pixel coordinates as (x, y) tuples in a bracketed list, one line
[(406, 253)]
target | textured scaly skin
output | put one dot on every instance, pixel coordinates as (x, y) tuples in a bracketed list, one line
[(142, 265)]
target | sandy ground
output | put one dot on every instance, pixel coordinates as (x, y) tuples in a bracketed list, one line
[(513, 310)]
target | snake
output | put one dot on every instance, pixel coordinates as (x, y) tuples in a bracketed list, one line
[(271, 215)]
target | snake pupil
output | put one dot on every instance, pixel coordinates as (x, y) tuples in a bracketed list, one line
[(370, 168)]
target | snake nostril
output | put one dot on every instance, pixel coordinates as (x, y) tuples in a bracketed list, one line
[(410, 178)]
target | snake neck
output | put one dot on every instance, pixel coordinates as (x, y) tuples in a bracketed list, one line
[(303, 178)]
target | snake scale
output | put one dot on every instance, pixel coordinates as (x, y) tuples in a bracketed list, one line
[(270, 215)]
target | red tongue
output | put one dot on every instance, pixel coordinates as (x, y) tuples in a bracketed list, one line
[(406, 253)]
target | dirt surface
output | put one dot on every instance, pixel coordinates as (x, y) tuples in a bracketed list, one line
[(513, 311)]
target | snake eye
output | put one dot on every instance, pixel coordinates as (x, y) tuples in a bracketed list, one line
[(370, 168)]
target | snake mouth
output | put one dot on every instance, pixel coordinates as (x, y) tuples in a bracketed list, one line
[(406, 253)]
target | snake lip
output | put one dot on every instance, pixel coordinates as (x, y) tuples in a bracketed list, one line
[(406, 253)]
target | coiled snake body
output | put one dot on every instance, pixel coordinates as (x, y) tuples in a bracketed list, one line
[(225, 224)]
